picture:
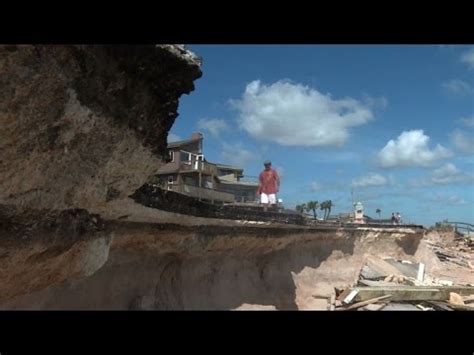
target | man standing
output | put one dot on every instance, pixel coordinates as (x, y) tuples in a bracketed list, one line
[(399, 218), (269, 185)]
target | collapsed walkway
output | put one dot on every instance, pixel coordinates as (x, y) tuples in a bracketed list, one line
[(389, 284)]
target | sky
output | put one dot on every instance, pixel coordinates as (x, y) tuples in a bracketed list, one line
[(391, 126)]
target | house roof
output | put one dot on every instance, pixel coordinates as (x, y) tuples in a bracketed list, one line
[(183, 142), (230, 167)]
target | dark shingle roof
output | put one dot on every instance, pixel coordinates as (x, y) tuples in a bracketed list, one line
[(183, 142)]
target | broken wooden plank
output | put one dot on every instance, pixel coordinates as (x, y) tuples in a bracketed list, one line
[(365, 303), (369, 274), (458, 307), (351, 296), (381, 266), (421, 273), (444, 254), (468, 299), (376, 283), (404, 267), (393, 306), (332, 302), (344, 294), (325, 296), (459, 262), (445, 282), (423, 308), (374, 306), (440, 305), (412, 293)]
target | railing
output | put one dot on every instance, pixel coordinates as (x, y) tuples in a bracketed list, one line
[(203, 193), (196, 165), (461, 226), (245, 200)]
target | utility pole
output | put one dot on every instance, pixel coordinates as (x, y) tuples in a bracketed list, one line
[(352, 213), (199, 164)]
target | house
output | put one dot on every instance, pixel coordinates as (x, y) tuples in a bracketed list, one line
[(188, 172), (231, 179)]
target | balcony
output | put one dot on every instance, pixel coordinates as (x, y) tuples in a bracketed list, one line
[(196, 166)]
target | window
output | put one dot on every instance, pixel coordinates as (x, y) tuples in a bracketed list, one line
[(190, 181), (185, 157), (171, 156), (170, 180)]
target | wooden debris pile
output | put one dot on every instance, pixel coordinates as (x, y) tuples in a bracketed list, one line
[(389, 284), (460, 254)]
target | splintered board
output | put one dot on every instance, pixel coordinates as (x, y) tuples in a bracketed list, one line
[(411, 293)]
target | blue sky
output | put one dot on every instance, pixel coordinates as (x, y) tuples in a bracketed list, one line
[(394, 124)]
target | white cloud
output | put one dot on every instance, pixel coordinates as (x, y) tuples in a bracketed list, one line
[(449, 174), (173, 137), (235, 154), (468, 58), (411, 149), (371, 179), (448, 200), (457, 86), (292, 114), (462, 141), (315, 186), (444, 175), (376, 102), (212, 125), (468, 121), (455, 200)]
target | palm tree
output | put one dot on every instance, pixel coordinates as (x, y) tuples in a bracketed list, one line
[(301, 208), (324, 207), (378, 211), (312, 206), (329, 205)]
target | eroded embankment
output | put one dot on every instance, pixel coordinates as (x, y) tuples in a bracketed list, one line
[(83, 125), (166, 266)]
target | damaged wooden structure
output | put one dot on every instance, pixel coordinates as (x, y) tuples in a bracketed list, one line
[(389, 284)]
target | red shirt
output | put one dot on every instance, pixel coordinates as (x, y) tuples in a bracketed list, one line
[(269, 181)]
